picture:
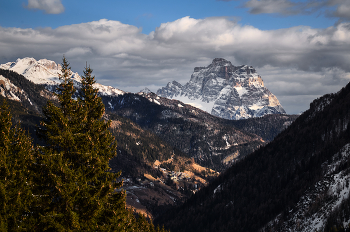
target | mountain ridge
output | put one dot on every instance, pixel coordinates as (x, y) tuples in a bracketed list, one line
[(46, 72), (175, 119)]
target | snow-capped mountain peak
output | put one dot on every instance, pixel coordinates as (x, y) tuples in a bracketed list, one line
[(47, 72), (225, 90), (40, 72)]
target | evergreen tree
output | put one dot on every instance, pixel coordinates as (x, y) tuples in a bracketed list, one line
[(16, 156), (98, 148), (55, 179), (78, 191), (76, 187)]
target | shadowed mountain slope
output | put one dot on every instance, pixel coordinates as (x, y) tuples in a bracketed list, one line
[(271, 181)]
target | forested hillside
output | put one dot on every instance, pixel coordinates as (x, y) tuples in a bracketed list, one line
[(213, 142), (271, 180)]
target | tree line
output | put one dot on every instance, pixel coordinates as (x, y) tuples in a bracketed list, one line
[(66, 184)]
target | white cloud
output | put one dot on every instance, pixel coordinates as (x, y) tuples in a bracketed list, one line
[(293, 61), (49, 6), (78, 51), (295, 89)]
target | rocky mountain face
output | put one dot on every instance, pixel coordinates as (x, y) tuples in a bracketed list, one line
[(297, 182), (226, 91)]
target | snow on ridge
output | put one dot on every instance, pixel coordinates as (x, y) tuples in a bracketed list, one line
[(255, 107), (108, 90), (47, 72)]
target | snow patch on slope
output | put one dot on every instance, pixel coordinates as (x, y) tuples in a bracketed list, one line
[(205, 106), (315, 206), (9, 90), (241, 90)]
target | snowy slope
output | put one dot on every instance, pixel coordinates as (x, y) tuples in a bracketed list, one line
[(9, 90), (47, 72)]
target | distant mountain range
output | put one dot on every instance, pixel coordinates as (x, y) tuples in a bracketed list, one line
[(159, 139), (226, 91), (212, 142)]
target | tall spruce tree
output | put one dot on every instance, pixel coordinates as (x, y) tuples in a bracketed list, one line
[(98, 148), (100, 143), (57, 183), (75, 188), (16, 157), (79, 193)]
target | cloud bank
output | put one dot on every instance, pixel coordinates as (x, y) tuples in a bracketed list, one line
[(49, 6), (295, 63)]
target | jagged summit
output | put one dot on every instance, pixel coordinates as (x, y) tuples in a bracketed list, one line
[(221, 62), (145, 90), (225, 90)]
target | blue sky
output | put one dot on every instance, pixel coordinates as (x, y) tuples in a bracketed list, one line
[(150, 14), (300, 48)]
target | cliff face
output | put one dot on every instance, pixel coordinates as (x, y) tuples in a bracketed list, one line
[(226, 91)]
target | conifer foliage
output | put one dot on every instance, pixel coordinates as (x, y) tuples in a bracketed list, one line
[(16, 154), (78, 192)]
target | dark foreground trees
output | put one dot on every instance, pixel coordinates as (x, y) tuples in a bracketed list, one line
[(77, 189), (72, 187), (16, 155)]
